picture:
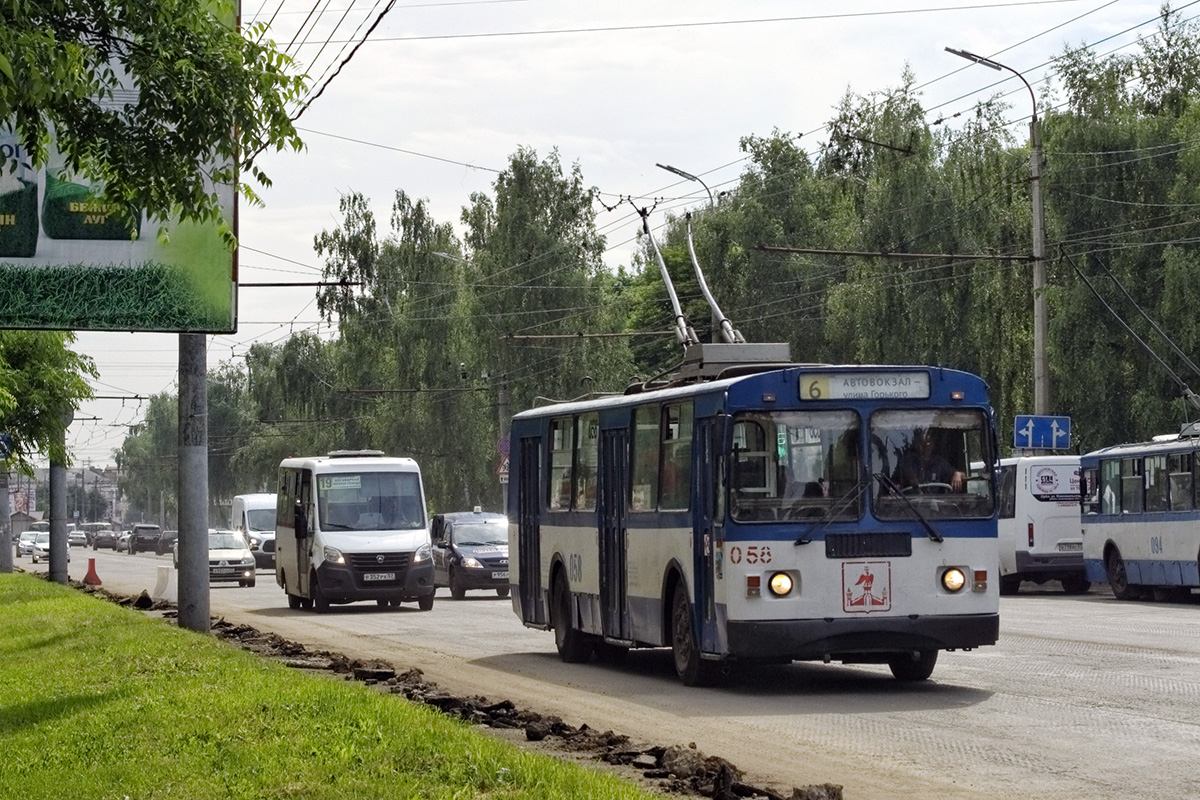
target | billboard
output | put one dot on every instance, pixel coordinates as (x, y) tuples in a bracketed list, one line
[(69, 260)]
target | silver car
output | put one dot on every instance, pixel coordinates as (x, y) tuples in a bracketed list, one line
[(41, 548), (25, 543)]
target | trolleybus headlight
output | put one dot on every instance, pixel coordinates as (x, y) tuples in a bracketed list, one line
[(953, 580), (334, 556), (780, 584)]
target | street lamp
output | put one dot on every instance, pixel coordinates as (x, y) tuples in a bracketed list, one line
[(1041, 366), (688, 176)]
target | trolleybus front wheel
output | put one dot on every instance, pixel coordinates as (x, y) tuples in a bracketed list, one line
[(1118, 579), (689, 666), (912, 667), (574, 646)]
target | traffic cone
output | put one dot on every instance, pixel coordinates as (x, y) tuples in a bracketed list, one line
[(91, 579)]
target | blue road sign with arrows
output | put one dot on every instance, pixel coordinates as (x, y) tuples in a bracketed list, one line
[(1039, 432)]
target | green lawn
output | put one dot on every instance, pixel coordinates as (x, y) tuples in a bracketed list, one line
[(99, 701)]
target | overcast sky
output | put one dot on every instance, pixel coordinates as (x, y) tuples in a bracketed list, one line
[(442, 93)]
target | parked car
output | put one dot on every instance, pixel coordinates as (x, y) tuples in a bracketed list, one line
[(104, 537), (41, 547), (76, 537), (166, 542), (470, 551), (25, 543), (144, 537), (122, 545), (229, 557)]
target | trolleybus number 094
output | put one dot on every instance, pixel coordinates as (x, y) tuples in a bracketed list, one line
[(754, 554)]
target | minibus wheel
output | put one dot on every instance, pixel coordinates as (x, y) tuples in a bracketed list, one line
[(320, 602)]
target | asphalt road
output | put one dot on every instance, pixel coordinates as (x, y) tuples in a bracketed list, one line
[(1084, 697)]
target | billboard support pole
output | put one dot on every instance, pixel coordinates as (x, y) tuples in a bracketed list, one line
[(193, 483)]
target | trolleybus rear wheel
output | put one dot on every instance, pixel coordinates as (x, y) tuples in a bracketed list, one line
[(907, 668), (1118, 579), (689, 666), (574, 646)]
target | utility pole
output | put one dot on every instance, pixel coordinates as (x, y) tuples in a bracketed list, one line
[(193, 483), (1041, 363), (58, 508), (502, 405)]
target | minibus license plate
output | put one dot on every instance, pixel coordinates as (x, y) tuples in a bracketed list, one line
[(379, 576), (499, 576), (1070, 547)]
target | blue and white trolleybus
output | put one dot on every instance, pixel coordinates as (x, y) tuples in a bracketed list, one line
[(772, 513)]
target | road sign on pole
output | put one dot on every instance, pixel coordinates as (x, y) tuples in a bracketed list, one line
[(1040, 432)]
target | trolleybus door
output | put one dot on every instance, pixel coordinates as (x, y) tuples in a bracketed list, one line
[(529, 544), (705, 528), (614, 482)]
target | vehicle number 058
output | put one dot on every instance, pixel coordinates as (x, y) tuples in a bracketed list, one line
[(751, 554)]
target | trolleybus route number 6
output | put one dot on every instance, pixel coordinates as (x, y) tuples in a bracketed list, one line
[(755, 554)]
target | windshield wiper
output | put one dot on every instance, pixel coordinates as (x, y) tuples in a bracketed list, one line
[(837, 508), (889, 483)]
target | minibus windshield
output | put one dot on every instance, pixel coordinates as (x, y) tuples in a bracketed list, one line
[(369, 501)]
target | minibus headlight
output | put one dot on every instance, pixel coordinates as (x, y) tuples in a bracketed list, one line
[(780, 584), (334, 556), (953, 580), (424, 553)]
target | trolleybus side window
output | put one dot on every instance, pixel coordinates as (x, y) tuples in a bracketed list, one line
[(1090, 491), (1110, 494), (644, 496), (1132, 487), (1182, 494), (676, 456), (562, 454), (1157, 484), (587, 447)]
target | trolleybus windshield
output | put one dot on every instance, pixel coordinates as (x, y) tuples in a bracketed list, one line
[(796, 465), (929, 461)]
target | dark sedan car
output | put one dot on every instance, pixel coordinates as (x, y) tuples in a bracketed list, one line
[(104, 537), (144, 538), (470, 551)]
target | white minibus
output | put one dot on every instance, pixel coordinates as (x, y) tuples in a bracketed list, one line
[(1040, 535), (253, 516), (352, 526)]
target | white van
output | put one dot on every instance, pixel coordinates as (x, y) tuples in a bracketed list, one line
[(352, 526), (253, 516), (1040, 534)]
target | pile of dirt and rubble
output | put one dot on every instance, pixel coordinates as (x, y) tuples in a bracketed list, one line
[(676, 769)]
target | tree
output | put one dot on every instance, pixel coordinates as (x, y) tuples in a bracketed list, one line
[(208, 102), (41, 380)]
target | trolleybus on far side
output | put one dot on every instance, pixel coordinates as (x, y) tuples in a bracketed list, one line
[(1141, 516), (761, 513)]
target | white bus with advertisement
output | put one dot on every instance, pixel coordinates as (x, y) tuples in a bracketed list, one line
[(1039, 531)]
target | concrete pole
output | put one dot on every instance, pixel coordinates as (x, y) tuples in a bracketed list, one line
[(1041, 363), (193, 483), (58, 513), (505, 419), (6, 552)]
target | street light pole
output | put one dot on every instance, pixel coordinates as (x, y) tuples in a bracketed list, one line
[(688, 176), (1041, 364)]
